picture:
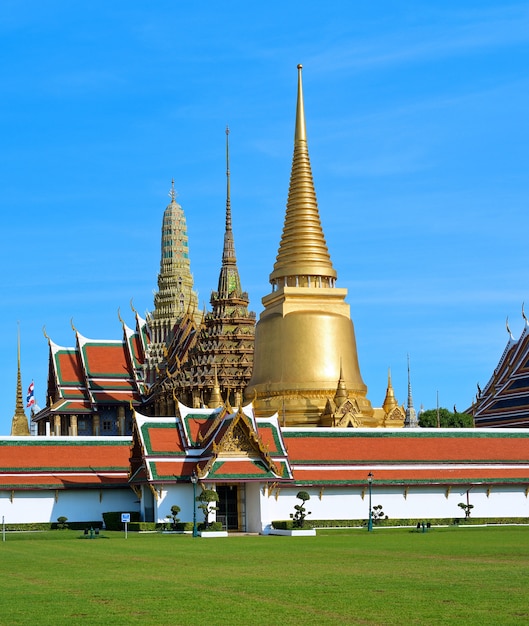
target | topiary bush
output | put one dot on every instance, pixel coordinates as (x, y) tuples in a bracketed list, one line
[(298, 518)]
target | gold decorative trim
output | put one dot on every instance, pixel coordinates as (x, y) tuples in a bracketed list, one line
[(363, 493), (447, 492), (137, 490), (322, 489), (406, 489), (489, 489)]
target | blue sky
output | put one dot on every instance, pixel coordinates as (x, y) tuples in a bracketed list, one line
[(417, 128)]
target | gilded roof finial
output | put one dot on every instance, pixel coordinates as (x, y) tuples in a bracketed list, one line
[(523, 313), (303, 250), (300, 133)]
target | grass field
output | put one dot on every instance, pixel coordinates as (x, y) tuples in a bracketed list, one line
[(389, 576)]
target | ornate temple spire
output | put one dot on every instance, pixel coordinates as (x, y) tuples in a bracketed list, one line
[(220, 363), (303, 258), (390, 402), (19, 423), (229, 280), (175, 281), (411, 415), (341, 390)]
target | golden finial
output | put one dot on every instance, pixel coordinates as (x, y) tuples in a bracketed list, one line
[(132, 307), (73, 327), (119, 317), (45, 334), (301, 128), (523, 313)]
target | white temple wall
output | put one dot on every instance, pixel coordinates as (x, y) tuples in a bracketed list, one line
[(421, 502), (83, 505), (253, 507), (182, 496)]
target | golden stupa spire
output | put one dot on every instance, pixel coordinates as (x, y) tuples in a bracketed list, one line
[(390, 401), (19, 423), (303, 259)]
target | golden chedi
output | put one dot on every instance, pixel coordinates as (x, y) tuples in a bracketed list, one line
[(305, 332)]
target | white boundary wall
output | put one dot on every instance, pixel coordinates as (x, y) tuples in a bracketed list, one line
[(416, 502), (79, 505)]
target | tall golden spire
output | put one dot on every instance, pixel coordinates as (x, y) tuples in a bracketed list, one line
[(303, 258), (19, 423), (304, 339)]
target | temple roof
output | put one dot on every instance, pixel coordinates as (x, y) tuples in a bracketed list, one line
[(346, 456), (96, 372), (504, 401), (215, 444), (64, 462)]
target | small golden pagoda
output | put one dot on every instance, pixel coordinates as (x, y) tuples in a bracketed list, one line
[(305, 340)]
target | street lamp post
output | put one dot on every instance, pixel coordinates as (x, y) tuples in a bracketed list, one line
[(194, 480), (370, 519)]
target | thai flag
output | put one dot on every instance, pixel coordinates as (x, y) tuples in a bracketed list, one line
[(31, 395)]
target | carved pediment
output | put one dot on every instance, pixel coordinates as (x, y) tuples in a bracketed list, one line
[(349, 420), (238, 439)]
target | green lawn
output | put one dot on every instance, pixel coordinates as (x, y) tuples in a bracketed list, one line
[(389, 576)]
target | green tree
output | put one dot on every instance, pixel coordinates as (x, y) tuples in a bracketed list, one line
[(447, 419), (207, 504)]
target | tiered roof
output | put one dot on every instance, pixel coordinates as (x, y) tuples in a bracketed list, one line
[(63, 462), (402, 456), (216, 445), (236, 446), (96, 372), (504, 401)]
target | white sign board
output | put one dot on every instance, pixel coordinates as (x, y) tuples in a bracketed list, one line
[(125, 517)]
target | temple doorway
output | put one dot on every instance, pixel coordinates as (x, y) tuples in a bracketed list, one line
[(231, 505)]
